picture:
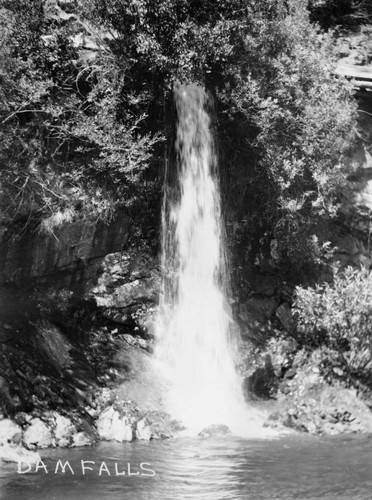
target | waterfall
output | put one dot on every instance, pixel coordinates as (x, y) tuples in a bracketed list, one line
[(196, 345)]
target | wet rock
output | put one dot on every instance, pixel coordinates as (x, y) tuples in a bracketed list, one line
[(22, 418), (256, 311), (135, 341), (143, 430), (289, 374), (8, 404), (50, 340), (261, 383), (215, 430), (127, 290), (14, 453), (136, 291), (284, 314), (113, 427), (10, 432), (127, 279), (64, 430), (312, 405), (37, 435), (162, 425), (81, 439), (103, 399)]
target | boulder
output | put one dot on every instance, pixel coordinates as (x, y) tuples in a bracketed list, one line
[(257, 311), (284, 315), (307, 402), (64, 430), (127, 290), (143, 430), (215, 430), (18, 454), (137, 291), (81, 439), (10, 432), (113, 427), (37, 435), (262, 382), (50, 340)]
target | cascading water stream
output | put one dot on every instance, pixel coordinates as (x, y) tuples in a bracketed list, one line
[(196, 344)]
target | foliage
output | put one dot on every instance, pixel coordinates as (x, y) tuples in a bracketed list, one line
[(284, 120), (66, 150), (305, 122), (82, 135), (338, 315)]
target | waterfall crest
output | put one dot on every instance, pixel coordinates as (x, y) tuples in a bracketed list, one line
[(196, 344)]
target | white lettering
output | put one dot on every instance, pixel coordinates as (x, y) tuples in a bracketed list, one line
[(41, 465), (117, 473), (83, 467), (103, 468), (63, 467), (132, 473), (20, 471), (142, 466)]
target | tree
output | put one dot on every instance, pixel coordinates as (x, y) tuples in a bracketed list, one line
[(95, 128), (300, 122), (69, 146)]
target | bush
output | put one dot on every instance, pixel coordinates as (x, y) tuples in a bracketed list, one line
[(339, 315), (305, 123), (72, 141)]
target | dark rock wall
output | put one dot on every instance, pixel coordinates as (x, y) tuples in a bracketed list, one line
[(354, 243), (68, 256)]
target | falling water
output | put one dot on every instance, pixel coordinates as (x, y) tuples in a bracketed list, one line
[(196, 343)]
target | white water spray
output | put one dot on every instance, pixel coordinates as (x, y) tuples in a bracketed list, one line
[(196, 344)]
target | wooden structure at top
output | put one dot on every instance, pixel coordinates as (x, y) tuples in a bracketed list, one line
[(361, 77)]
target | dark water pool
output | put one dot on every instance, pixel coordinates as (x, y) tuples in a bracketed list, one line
[(300, 467)]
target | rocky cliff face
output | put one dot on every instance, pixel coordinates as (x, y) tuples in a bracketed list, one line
[(68, 254), (354, 244), (67, 259), (127, 291)]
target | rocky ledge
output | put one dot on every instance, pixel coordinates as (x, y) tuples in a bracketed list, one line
[(302, 392), (108, 419)]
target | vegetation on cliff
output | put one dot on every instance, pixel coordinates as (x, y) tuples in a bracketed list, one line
[(69, 145), (337, 317), (82, 132)]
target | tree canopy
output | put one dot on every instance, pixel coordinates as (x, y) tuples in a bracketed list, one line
[(83, 133)]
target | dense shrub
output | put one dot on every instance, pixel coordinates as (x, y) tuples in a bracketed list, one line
[(338, 315), (70, 142), (304, 121)]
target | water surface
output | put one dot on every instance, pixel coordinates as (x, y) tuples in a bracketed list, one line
[(300, 467)]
